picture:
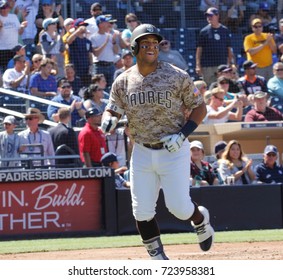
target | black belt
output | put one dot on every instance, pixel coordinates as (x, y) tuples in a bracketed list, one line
[(153, 146), (104, 63)]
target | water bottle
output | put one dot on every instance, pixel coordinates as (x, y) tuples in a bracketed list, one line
[(197, 181)]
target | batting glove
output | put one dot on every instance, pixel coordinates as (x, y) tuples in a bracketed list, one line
[(173, 142), (108, 124)]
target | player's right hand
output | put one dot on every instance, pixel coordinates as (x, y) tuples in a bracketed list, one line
[(109, 123)]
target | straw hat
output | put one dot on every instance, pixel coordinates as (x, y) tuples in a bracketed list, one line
[(31, 112)]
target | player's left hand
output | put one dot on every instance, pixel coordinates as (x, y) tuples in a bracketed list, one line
[(173, 142)]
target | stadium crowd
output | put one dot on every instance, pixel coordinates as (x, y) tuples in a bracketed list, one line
[(74, 62)]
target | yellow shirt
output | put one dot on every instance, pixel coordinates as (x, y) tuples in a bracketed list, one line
[(66, 52), (263, 58)]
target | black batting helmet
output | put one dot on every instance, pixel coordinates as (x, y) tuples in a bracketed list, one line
[(140, 31)]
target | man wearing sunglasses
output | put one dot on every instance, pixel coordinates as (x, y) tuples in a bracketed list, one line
[(260, 47), (269, 171)]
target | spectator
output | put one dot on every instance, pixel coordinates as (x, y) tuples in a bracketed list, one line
[(251, 82), (17, 78), (9, 143), (34, 135), (27, 10), (207, 97), (131, 21), (68, 25), (80, 51), (95, 11), (278, 37), (235, 163), (216, 113), (261, 111), (101, 81), (93, 97), (201, 86), (205, 4), (202, 172), (275, 84), (219, 44), (62, 134), (43, 83), (269, 171), (10, 29), (127, 62), (18, 50), (72, 78), (36, 60), (234, 14), (65, 97), (46, 10), (51, 43), (171, 56), (104, 48), (111, 160), (259, 47), (263, 13), (92, 143), (219, 148)]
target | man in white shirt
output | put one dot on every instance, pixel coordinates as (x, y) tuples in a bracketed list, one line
[(17, 78), (35, 136), (217, 113), (95, 11)]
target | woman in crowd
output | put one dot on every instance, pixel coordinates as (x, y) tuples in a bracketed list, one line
[(93, 96), (235, 164), (202, 173)]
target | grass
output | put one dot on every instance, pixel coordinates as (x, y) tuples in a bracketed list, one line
[(64, 244)]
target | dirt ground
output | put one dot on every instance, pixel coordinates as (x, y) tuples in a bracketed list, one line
[(219, 251)]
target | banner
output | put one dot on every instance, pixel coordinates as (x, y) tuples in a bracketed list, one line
[(50, 207)]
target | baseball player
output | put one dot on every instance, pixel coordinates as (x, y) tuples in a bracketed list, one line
[(154, 95)]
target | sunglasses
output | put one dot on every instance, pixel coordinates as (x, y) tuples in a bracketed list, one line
[(164, 44), (271, 155), (279, 70), (30, 118), (36, 61), (98, 9), (7, 124), (257, 26), (131, 20), (66, 87)]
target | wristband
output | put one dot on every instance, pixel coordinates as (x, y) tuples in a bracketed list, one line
[(189, 128)]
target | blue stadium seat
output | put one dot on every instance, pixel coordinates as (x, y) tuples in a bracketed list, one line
[(277, 102)]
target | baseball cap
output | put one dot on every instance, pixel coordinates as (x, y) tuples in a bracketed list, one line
[(49, 21), (10, 119), (48, 2), (219, 146), (79, 22), (223, 68), (270, 149), (126, 52), (249, 64), (94, 111), (103, 18), (3, 4), (95, 6), (212, 11), (116, 58), (264, 6), (221, 79), (197, 144), (17, 57), (68, 21), (18, 47), (108, 158), (256, 20), (260, 94)]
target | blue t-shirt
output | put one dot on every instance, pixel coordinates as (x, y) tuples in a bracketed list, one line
[(269, 175), (36, 81), (214, 43), (53, 109)]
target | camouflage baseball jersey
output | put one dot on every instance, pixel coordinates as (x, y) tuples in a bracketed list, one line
[(154, 104)]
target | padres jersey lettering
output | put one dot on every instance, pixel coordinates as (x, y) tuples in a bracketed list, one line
[(150, 97)]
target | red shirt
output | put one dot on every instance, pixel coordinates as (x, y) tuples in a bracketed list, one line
[(93, 142)]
